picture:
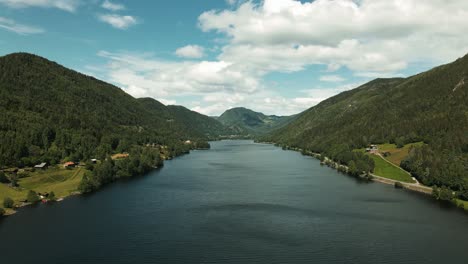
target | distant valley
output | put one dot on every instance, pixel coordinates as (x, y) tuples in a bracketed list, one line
[(53, 115), (246, 122)]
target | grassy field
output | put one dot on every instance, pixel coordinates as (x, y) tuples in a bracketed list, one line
[(397, 154), (465, 203), (6, 191), (387, 170), (61, 181)]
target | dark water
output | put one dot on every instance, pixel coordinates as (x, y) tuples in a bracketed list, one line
[(239, 203)]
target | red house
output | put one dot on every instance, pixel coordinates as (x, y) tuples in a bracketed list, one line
[(69, 164)]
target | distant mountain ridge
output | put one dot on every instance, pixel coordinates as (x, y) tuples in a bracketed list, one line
[(248, 122), (203, 125)]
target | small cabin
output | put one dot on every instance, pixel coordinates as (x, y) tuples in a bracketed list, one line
[(41, 166), (120, 156), (69, 165), (11, 171), (372, 149), (94, 161), (188, 142)]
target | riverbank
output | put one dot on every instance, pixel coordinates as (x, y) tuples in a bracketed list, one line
[(12, 211), (63, 182), (415, 187), (409, 186), (238, 203), (376, 178)]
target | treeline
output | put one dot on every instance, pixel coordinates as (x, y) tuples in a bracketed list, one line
[(139, 162), (430, 107), (445, 170), (52, 145), (53, 114), (355, 163)]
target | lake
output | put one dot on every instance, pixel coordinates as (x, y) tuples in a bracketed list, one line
[(239, 202)]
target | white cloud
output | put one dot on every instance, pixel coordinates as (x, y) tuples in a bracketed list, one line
[(264, 101), (220, 84), (319, 94), (191, 51), (67, 5), (332, 78), (143, 75), (167, 101), (21, 29), (112, 6), (370, 36), (234, 2), (267, 101), (118, 21)]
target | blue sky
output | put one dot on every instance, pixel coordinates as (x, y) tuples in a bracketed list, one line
[(276, 56)]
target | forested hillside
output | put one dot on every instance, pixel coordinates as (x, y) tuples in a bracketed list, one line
[(247, 122), (431, 107), (197, 123), (185, 120), (50, 113)]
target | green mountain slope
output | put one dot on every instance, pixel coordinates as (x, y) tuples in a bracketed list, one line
[(245, 121), (186, 121), (430, 107), (50, 113), (193, 121)]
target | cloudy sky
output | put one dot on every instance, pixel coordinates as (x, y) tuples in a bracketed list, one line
[(275, 56)]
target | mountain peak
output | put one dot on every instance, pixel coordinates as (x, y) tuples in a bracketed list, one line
[(247, 121), (23, 56)]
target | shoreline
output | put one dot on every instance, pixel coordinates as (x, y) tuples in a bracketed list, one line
[(16, 208), (408, 186), (415, 187)]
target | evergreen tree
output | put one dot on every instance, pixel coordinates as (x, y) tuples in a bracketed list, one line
[(8, 202), (52, 197), (32, 197), (352, 169), (3, 178)]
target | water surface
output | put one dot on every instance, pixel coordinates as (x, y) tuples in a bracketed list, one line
[(239, 202)]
